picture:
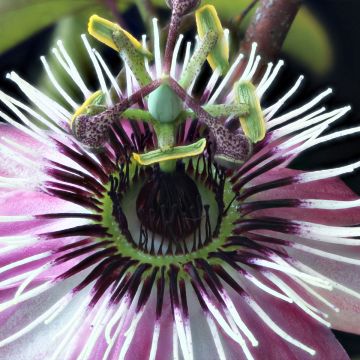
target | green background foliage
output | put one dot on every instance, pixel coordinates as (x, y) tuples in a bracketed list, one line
[(307, 41)]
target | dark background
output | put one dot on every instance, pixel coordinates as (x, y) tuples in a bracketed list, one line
[(342, 21)]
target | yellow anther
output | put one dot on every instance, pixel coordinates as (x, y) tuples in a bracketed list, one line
[(103, 30), (207, 20), (174, 153), (253, 124)]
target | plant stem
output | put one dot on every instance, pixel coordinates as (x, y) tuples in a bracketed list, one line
[(269, 27)]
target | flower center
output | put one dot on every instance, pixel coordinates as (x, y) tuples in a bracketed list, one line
[(169, 204), (149, 212)]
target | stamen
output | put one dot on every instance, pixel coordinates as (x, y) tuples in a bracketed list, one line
[(198, 58)]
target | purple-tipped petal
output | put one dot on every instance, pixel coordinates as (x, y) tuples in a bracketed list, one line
[(327, 189)]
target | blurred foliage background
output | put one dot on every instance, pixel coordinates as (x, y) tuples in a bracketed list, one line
[(322, 44)]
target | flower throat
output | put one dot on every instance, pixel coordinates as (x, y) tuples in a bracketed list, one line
[(177, 212)]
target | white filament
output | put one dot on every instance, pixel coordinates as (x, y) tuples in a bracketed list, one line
[(261, 90), (306, 307), (40, 319), (180, 328), (157, 51), (56, 84), (47, 105), (216, 337), (97, 68), (236, 317), (175, 56), (225, 80), (254, 68), (146, 60), (35, 114), (292, 114), (108, 73), (71, 69), (267, 289), (129, 335), (250, 62), (265, 77), (311, 291), (155, 341), (274, 327), (186, 58), (270, 112), (327, 255)]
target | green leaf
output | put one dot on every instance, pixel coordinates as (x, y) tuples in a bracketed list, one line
[(19, 19)]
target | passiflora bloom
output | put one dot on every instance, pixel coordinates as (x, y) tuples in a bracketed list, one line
[(148, 223)]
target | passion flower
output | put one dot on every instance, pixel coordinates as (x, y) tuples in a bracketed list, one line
[(141, 225)]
